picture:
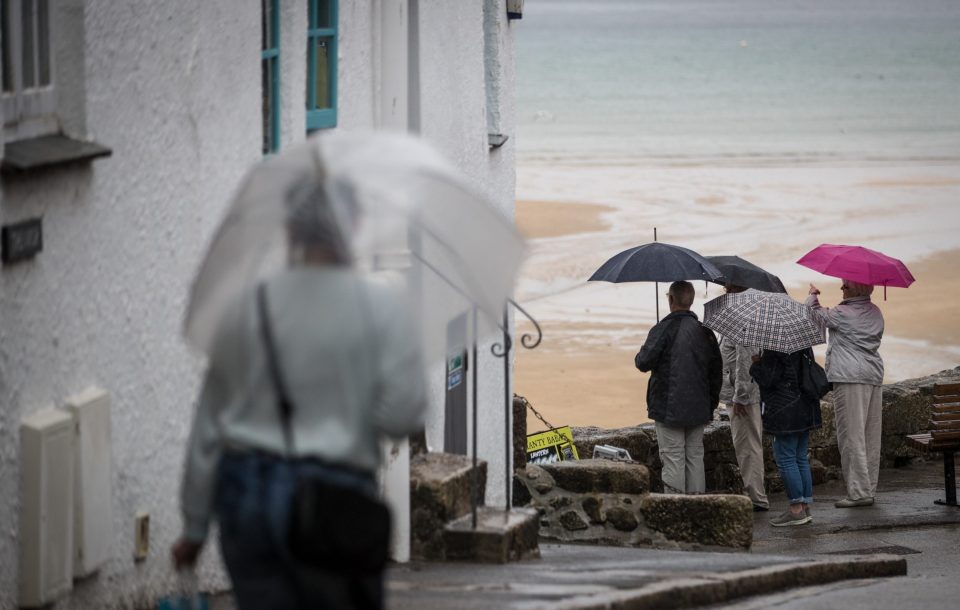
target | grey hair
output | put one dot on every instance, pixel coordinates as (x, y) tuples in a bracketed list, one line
[(317, 218), (682, 293), (856, 289)]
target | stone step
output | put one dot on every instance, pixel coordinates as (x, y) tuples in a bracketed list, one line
[(607, 502), (441, 485), (500, 536)]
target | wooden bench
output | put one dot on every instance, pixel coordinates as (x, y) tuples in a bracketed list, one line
[(944, 434)]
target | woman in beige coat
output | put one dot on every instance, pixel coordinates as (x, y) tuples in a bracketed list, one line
[(855, 369)]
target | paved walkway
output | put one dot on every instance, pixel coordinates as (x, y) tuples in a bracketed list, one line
[(847, 558), (904, 522), (903, 528)]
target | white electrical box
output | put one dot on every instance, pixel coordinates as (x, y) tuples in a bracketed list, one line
[(93, 517), (46, 506)]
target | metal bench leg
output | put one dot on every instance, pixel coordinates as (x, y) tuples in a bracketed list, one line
[(949, 480)]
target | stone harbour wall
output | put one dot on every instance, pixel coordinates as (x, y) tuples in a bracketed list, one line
[(906, 410), (609, 502), (616, 502)]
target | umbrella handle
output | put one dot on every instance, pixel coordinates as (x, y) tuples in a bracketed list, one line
[(656, 285), (656, 290)]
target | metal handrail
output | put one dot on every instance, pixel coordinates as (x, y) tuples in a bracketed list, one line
[(502, 350)]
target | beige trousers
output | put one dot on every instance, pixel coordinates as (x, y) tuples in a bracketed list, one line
[(858, 413), (681, 452), (747, 432)]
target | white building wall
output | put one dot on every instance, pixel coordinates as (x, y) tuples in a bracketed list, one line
[(453, 114), (174, 89)]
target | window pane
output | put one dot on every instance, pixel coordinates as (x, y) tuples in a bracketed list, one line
[(43, 41), (6, 31), (266, 27), (323, 14), (322, 74), (267, 83), (29, 78)]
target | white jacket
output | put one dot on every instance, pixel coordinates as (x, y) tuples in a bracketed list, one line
[(349, 355), (856, 328)]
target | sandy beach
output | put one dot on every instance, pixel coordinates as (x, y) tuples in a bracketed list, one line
[(583, 373)]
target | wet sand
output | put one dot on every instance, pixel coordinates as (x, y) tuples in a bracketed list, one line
[(583, 372), (537, 219)]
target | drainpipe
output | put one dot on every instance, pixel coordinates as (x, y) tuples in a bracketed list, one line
[(390, 37)]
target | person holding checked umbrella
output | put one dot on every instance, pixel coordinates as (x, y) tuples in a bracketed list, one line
[(746, 425), (784, 330)]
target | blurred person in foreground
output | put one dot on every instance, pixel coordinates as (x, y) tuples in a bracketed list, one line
[(746, 426), (684, 390), (855, 369), (789, 410), (348, 354)]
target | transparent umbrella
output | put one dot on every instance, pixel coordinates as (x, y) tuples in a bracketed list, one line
[(400, 211)]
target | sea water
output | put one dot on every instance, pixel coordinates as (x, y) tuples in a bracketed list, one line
[(738, 81)]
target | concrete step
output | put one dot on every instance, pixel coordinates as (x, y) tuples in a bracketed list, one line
[(441, 486), (500, 536)]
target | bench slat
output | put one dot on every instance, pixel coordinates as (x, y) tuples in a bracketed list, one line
[(945, 435), (943, 417), (942, 389), (953, 424), (945, 402), (925, 443)]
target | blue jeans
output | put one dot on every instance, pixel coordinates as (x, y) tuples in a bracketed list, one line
[(253, 500), (790, 451)]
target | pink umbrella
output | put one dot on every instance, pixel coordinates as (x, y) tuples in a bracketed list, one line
[(858, 264)]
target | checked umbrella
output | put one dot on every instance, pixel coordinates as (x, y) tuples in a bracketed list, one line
[(764, 320)]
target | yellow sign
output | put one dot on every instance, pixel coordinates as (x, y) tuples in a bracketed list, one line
[(552, 446)]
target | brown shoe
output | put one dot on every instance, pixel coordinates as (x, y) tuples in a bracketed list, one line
[(787, 519)]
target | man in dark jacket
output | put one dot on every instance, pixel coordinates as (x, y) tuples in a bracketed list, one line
[(684, 389)]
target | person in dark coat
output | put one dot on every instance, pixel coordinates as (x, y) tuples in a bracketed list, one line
[(789, 410), (684, 389)]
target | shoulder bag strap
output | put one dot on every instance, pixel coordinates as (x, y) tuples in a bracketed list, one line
[(284, 404)]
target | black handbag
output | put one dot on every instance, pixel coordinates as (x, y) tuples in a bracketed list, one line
[(336, 521), (813, 379)]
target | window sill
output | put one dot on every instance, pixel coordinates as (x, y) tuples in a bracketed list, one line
[(28, 155), (496, 140), (321, 119)]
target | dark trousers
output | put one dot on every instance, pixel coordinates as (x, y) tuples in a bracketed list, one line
[(253, 499)]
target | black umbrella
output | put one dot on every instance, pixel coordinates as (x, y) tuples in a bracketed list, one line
[(739, 272), (656, 262)]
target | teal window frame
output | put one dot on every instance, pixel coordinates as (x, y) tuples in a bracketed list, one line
[(270, 59), (322, 118)]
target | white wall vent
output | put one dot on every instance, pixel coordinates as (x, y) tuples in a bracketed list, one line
[(46, 506), (93, 517)]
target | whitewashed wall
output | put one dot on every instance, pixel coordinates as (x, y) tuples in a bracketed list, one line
[(453, 62), (173, 88), (453, 99)]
